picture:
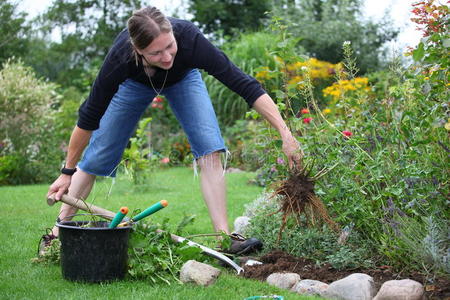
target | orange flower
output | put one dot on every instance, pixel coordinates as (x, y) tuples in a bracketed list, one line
[(304, 111)]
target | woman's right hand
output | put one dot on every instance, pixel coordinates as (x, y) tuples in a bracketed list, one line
[(60, 186)]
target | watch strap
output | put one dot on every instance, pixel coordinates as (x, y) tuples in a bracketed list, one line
[(68, 171)]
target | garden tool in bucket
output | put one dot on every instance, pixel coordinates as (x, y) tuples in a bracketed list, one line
[(110, 215), (147, 212)]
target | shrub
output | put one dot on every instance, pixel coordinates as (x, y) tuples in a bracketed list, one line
[(383, 147), (29, 145)]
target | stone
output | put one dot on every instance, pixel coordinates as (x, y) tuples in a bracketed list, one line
[(240, 224), (252, 262), (283, 280), (199, 273), (357, 286), (310, 287), (405, 289)]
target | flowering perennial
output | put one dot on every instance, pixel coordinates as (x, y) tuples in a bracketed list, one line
[(338, 89)]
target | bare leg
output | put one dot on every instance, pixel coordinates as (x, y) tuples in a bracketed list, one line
[(80, 188), (213, 189)]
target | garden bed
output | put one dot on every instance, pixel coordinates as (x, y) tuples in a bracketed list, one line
[(278, 261)]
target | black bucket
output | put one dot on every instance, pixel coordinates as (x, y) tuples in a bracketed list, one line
[(95, 253)]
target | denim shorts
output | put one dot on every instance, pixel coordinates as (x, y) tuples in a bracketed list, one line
[(189, 101)]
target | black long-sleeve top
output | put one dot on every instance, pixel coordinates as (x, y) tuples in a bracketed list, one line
[(194, 51)]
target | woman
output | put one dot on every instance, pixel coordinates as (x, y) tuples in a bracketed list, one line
[(155, 56)]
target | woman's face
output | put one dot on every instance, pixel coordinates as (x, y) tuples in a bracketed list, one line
[(161, 52)]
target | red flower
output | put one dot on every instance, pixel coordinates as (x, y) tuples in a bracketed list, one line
[(165, 160), (307, 120), (347, 133), (158, 99), (304, 111)]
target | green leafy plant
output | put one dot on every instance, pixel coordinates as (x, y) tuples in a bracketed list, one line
[(154, 257), (139, 158)]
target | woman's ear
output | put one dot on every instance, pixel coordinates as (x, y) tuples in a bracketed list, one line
[(137, 51)]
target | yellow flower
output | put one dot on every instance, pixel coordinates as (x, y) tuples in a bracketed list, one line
[(295, 66), (295, 80), (326, 111), (339, 88), (317, 69), (263, 74)]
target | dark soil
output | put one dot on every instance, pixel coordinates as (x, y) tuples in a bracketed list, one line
[(278, 261)]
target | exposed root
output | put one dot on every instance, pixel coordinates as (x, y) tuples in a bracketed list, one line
[(298, 198)]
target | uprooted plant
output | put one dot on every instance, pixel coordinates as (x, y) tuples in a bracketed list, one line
[(298, 198)]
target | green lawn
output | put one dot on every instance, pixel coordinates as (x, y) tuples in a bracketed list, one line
[(25, 215)]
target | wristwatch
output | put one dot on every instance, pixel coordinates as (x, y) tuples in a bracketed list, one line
[(68, 171)]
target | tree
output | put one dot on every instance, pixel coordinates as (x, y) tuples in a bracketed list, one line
[(87, 29), (324, 25), (229, 17), (13, 32)]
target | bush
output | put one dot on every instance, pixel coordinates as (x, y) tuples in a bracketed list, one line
[(29, 148), (383, 145)]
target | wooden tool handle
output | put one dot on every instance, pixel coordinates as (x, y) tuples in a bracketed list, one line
[(80, 204)]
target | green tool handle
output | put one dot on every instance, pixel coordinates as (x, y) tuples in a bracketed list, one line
[(118, 217), (151, 210)]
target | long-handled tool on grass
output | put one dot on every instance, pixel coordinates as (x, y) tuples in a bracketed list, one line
[(109, 215)]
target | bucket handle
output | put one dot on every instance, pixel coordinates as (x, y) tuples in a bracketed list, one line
[(59, 220)]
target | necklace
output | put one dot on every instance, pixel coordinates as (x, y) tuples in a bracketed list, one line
[(147, 71), (153, 87)]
